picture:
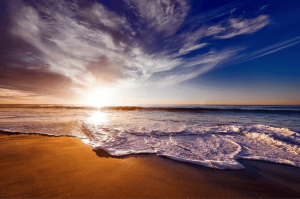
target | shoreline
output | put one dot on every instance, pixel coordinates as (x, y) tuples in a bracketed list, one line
[(124, 156), (45, 166)]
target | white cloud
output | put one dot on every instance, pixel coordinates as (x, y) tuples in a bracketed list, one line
[(187, 50), (163, 15), (107, 17), (274, 48), (9, 93), (237, 26), (263, 7), (193, 67), (240, 26), (94, 44), (214, 30)]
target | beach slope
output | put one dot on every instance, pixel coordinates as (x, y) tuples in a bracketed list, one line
[(41, 166)]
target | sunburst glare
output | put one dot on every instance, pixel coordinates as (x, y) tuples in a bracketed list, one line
[(97, 118), (99, 97)]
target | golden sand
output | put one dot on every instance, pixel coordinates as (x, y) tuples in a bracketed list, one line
[(40, 166)]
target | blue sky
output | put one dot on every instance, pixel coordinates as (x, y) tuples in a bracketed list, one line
[(150, 52)]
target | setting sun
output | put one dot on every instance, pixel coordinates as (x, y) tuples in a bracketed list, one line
[(210, 84), (99, 97)]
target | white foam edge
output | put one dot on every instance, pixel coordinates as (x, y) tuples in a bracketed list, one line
[(112, 152), (222, 165), (39, 133), (259, 158)]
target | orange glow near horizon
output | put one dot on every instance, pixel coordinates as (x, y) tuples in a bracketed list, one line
[(101, 96)]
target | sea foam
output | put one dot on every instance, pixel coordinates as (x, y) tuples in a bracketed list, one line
[(207, 139)]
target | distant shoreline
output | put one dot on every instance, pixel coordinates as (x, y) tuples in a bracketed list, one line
[(154, 105)]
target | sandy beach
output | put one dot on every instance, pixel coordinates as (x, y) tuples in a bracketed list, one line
[(34, 166)]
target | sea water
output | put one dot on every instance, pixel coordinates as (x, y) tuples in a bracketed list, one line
[(211, 136)]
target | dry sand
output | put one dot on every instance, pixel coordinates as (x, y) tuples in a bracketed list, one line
[(41, 166)]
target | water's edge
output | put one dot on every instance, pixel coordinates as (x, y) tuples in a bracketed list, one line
[(199, 163)]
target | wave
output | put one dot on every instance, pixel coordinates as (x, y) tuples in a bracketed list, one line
[(203, 109), (216, 147), (194, 109)]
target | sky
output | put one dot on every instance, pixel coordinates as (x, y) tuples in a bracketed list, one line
[(133, 52)]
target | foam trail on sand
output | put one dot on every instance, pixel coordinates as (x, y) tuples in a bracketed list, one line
[(213, 147)]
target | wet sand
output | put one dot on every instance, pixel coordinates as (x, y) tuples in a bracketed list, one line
[(40, 166)]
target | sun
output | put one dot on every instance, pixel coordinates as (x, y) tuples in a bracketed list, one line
[(99, 97)]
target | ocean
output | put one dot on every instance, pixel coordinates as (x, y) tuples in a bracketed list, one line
[(211, 136)]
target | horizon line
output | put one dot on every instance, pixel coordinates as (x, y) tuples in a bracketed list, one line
[(195, 104)]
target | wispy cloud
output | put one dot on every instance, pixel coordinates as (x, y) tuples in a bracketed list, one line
[(94, 45), (162, 15), (274, 48), (8, 93), (188, 49), (240, 26), (191, 68), (263, 7), (106, 17), (10, 96)]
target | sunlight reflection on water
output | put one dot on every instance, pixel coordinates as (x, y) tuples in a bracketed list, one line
[(97, 118)]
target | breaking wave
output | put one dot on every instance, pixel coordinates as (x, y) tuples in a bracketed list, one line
[(208, 139), (217, 147), (192, 109)]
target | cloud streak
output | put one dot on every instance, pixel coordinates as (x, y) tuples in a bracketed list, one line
[(274, 48), (157, 43), (240, 26)]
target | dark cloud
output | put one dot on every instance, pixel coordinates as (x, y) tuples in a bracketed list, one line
[(36, 80)]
